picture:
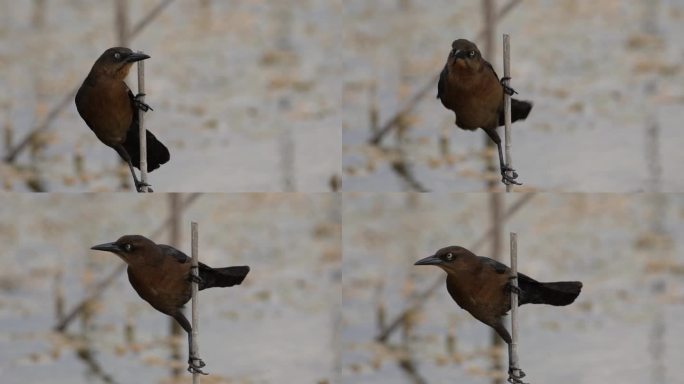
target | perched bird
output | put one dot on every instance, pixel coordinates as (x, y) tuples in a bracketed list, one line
[(110, 109), (482, 287), (469, 86), (161, 276)]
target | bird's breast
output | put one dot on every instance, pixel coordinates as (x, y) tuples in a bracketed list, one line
[(475, 98), (107, 109)]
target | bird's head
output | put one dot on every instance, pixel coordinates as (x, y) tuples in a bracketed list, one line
[(130, 248), (448, 258), (464, 55), (116, 62)]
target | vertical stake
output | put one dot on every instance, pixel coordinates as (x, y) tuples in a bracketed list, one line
[(141, 130), (507, 104), (194, 347), (514, 369)]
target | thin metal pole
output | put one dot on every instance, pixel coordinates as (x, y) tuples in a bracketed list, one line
[(194, 347), (142, 130), (514, 368), (507, 104)]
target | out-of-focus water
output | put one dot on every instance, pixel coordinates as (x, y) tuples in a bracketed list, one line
[(625, 326), (241, 92), (279, 323), (605, 78)]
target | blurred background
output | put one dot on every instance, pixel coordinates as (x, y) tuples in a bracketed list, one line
[(280, 323), (605, 79), (401, 326), (241, 92)]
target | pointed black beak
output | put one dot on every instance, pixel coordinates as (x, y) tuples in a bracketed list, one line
[(460, 54), (107, 247), (430, 260), (135, 56)]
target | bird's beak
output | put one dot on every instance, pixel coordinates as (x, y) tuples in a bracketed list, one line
[(430, 260), (107, 247), (460, 54), (135, 56)]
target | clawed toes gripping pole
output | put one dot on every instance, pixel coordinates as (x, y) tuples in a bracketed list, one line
[(515, 376), (504, 83), (139, 103), (195, 365)]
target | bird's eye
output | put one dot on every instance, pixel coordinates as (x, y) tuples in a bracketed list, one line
[(127, 247), (117, 56), (450, 256), (471, 54)]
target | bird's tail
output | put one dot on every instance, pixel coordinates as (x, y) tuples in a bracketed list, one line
[(222, 277), (558, 293), (157, 153), (519, 111)]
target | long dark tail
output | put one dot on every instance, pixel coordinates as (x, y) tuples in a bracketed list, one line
[(519, 111), (221, 277), (157, 153), (557, 293)]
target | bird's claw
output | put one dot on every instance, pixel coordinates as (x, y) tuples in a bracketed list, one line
[(507, 178), (509, 91), (142, 186), (195, 279), (515, 376), (195, 365), (514, 289), (140, 104)]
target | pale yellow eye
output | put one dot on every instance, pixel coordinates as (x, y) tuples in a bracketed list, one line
[(450, 256), (127, 247)]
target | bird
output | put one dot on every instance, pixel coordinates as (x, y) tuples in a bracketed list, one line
[(161, 275), (482, 286), (469, 86), (110, 109)]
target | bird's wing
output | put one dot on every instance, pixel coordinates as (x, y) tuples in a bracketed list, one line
[(498, 267), (442, 82), (173, 252), (490, 68)]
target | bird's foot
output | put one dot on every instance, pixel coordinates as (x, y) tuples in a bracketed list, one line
[(142, 187), (509, 91), (195, 279), (195, 365), (512, 288), (508, 176), (515, 376), (140, 104)]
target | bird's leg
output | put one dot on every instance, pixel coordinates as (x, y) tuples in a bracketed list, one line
[(124, 155), (139, 185), (509, 91), (195, 364), (515, 374), (505, 170), (140, 104)]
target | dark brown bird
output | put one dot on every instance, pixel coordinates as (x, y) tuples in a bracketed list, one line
[(482, 287), (161, 276), (110, 109), (469, 86)]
